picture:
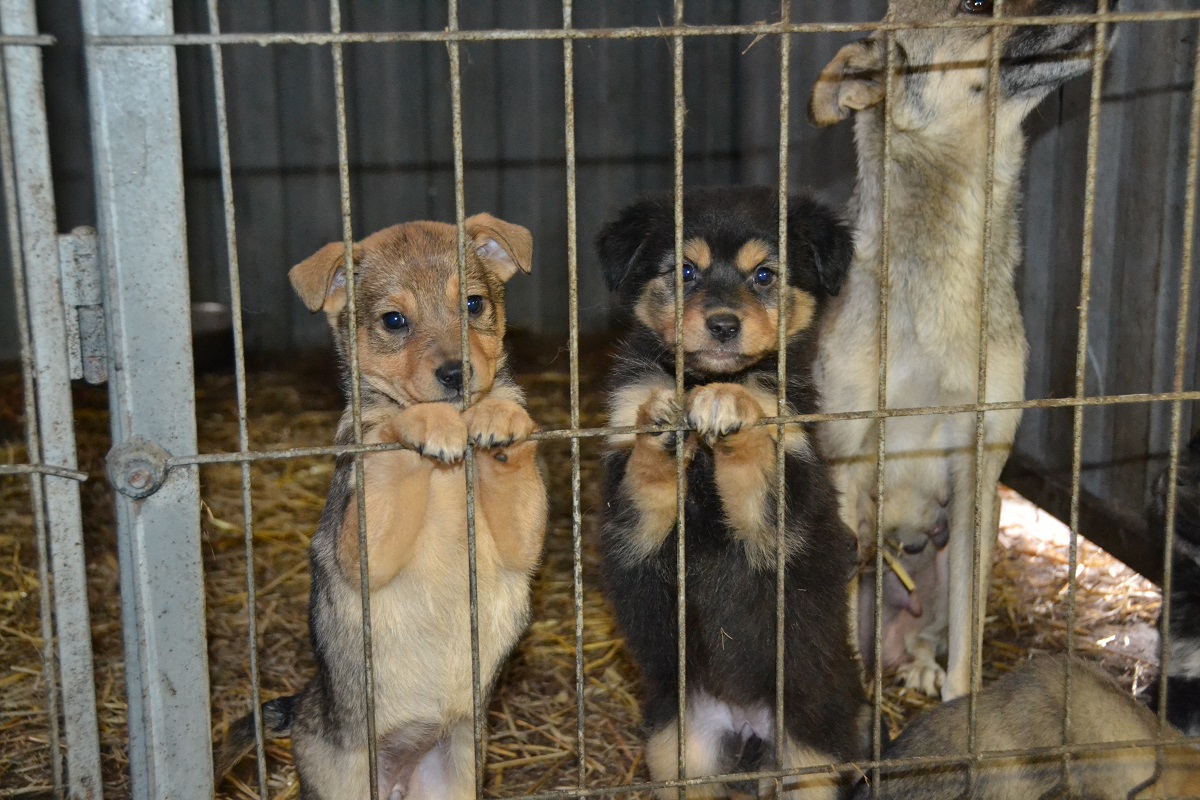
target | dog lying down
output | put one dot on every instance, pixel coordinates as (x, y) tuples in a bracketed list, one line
[(1024, 710)]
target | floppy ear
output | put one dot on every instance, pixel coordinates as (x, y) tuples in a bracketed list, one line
[(852, 81), (321, 278), (815, 229), (503, 247), (623, 239)]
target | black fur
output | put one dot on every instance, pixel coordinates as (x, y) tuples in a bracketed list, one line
[(1183, 684), (730, 602), (277, 718)]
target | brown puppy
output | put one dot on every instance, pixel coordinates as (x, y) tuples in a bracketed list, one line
[(413, 389)]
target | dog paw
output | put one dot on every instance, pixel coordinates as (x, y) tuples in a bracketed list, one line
[(923, 675), (435, 430), (497, 423), (721, 409), (660, 409)]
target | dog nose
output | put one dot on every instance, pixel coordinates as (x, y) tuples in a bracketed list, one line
[(724, 327), (450, 375)]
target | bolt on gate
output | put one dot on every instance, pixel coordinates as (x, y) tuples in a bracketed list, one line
[(106, 306)]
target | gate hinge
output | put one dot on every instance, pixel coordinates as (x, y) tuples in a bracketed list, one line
[(87, 342)]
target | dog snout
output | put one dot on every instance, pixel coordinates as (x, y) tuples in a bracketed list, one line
[(450, 375), (724, 326)]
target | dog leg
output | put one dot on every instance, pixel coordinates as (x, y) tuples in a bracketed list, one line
[(512, 495), (712, 745), (814, 786), (724, 414), (961, 549)]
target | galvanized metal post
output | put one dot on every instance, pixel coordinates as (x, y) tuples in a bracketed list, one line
[(39, 255), (134, 105)]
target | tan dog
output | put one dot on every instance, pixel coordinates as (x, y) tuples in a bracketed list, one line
[(413, 389), (1024, 710), (938, 177)]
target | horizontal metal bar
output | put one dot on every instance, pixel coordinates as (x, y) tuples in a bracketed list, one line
[(861, 767), (657, 32), (43, 469), (41, 40), (591, 433)]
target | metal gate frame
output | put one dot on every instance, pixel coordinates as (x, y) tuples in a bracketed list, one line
[(53, 468)]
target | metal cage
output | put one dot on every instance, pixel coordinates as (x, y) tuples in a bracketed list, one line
[(131, 53)]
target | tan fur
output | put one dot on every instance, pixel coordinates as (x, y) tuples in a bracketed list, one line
[(1023, 711), (416, 512), (652, 472), (939, 156), (751, 255), (698, 252)]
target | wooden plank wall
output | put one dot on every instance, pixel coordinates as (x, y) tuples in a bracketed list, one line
[(284, 146)]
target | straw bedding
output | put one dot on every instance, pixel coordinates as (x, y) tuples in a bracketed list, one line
[(532, 744)]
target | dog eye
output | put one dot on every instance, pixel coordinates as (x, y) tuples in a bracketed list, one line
[(474, 305), (764, 276), (394, 321), (977, 6), (689, 271)]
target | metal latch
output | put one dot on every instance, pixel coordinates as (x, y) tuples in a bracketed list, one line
[(87, 341)]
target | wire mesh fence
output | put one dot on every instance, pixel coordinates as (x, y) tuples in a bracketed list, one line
[(785, 29)]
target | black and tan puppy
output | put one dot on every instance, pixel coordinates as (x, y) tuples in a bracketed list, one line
[(413, 392), (730, 345)]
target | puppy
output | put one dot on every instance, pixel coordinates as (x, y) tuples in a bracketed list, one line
[(730, 330), (1183, 667), (938, 176), (413, 390), (1024, 710)]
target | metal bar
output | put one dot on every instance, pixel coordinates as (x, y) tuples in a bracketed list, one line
[(239, 359), (339, 88), (33, 442), (658, 32), (573, 347), (477, 705), (134, 107), (678, 113), (891, 59), (588, 433), (785, 63), (1181, 352), (1085, 292), (53, 439), (42, 469), (979, 586)]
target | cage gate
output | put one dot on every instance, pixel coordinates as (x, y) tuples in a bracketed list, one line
[(147, 357)]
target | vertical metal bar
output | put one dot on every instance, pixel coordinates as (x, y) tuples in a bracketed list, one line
[(239, 359), (477, 706), (980, 585), (781, 404), (679, 111), (1085, 292), (134, 106), (52, 439), (890, 60), (573, 346), (339, 89), (1181, 352), (33, 443)]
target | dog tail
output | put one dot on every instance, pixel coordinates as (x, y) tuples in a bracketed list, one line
[(277, 717)]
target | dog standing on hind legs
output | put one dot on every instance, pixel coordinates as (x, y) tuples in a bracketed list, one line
[(939, 156), (731, 321), (413, 390)]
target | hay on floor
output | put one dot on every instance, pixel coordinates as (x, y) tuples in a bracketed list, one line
[(532, 722)]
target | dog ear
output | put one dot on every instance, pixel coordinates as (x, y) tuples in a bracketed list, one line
[(622, 240), (852, 81), (503, 246), (814, 228), (321, 277)]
